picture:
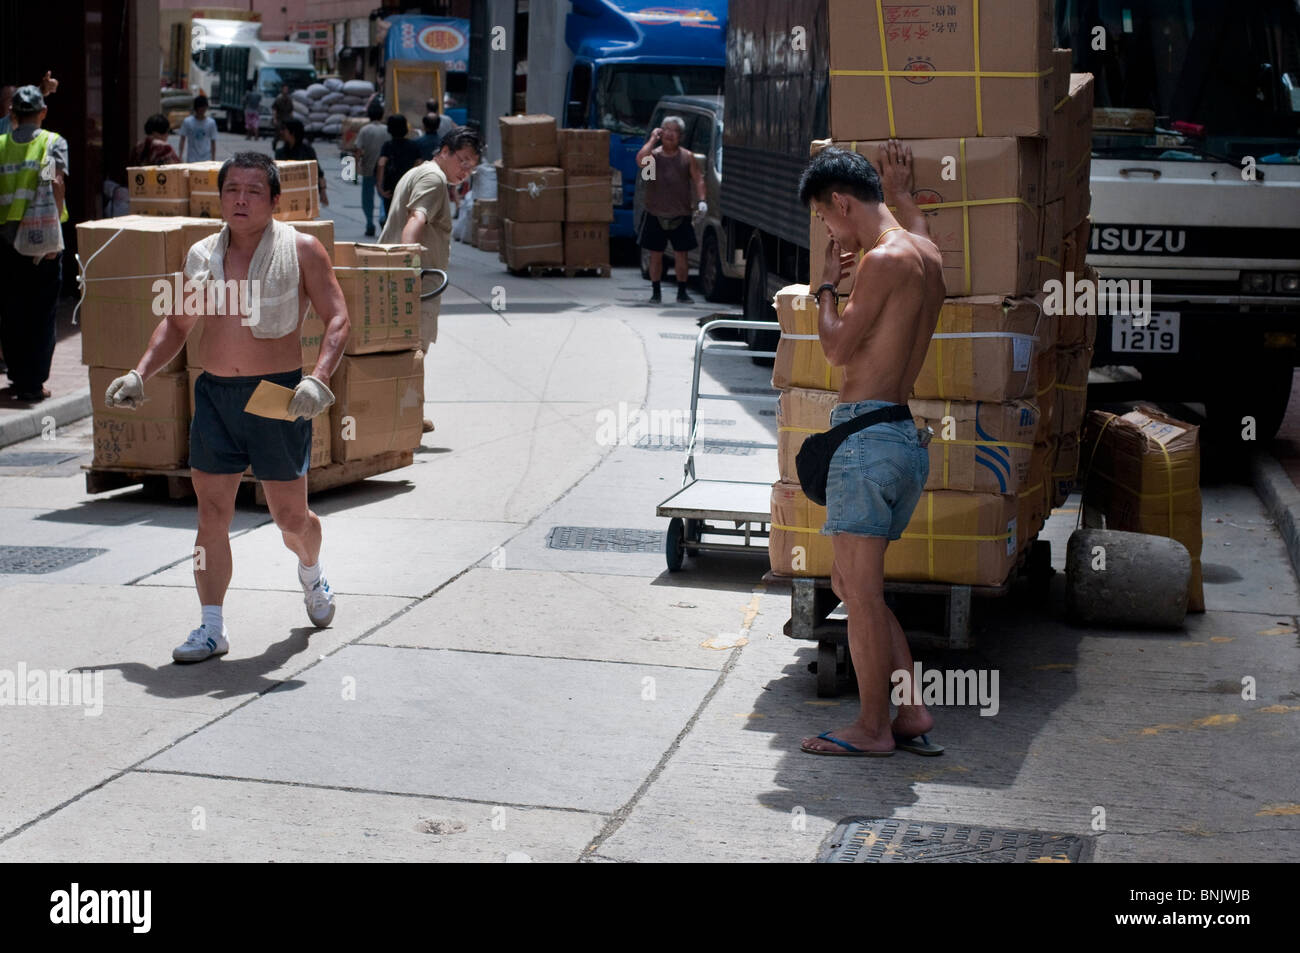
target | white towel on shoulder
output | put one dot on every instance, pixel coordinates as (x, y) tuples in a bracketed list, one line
[(274, 267)]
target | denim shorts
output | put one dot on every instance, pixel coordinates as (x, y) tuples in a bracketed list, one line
[(876, 475), (225, 439)]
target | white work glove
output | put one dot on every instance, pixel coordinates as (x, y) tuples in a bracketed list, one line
[(310, 398), (700, 211), (126, 391)]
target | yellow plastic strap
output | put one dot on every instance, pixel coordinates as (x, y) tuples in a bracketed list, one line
[(798, 430), (988, 443), (1050, 261), (885, 72), (1036, 488), (1073, 387), (1050, 385), (947, 412), (965, 213), (970, 203), (929, 532), (1158, 495), (795, 529), (1169, 478), (979, 92)]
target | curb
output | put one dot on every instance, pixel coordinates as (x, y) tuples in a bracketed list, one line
[(27, 424), (1281, 499)]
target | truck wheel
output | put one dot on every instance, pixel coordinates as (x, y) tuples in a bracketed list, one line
[(757, 307), (1261, 392), (716, 285)]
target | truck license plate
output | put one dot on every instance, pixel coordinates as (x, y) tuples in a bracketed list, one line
[(1157, 334)]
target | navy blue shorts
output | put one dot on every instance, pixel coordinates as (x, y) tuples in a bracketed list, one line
[(224, 439)]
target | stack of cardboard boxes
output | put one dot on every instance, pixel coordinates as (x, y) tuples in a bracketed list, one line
[(190, 189), (133, 273), (984, 147), (554, 195), (485, 225)]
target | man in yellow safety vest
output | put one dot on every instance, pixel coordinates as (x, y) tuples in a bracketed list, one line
[(31, 285)]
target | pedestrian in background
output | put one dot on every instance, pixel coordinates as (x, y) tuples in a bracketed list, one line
[(47, 86), (252, 111), (421, 214), (429, 142), (199, 133), (153, 149), (668, 206), (370, 140), (282, 107), (33, 170), (294, 147), (397, 157)]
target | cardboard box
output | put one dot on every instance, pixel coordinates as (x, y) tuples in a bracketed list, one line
[(1064, 468), (1051, 243), (1045, 394), (1075, 247), (1057, 146), (205, 199), (800, 412), (586, 245), (118, 315), (381, 284), (800, 361), (1078, 168), (532, 195), (529, 140), (1144, 477), (978, 446), (586, 199), (533, 243), (965, 538), (1032, 500), (1071, 388), (486, 214), (158, 190), (982, 349), (487, 238), (930, 52), (584, 151), (795, 545), (156, 436), (1079, 330), (168, 207), (378, 404), (299, 191), (987, 248)]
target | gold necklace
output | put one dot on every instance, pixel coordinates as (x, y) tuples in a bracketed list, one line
[(892, 228)]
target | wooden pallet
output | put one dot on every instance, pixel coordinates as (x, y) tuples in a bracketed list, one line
[(568, 271), (175, 484)]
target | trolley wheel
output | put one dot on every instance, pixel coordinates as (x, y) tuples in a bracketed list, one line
[(674, 544), (694, 530), (828, 664)]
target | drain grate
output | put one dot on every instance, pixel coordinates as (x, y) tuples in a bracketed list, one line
[(891, 840), (605, 539), (35, 458), (37, 560)]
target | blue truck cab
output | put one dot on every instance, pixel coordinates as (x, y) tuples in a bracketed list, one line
[(627, 55)]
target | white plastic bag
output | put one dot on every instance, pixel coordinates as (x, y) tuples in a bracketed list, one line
[(39, 233)]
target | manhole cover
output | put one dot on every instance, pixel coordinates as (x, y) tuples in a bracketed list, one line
[(865, 840), (36, 560), (34, 458), (604, 539)]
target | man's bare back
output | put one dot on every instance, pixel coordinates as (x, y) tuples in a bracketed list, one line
[(228, 347), (900, 283)]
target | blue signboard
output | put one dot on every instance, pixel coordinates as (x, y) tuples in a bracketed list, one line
[(445, 39)]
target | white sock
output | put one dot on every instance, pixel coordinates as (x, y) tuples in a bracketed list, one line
[(309, 575), (212, 620)]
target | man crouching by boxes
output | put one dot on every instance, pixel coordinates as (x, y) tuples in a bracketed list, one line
[(267, 273), (874, 477)]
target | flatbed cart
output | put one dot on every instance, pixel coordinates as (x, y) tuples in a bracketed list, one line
[(700, 506), (812, 602)]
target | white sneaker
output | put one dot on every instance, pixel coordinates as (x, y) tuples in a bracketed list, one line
[(200, 645), (320, 603)]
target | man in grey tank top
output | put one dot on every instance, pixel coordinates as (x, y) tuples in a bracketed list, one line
[(668, 206)]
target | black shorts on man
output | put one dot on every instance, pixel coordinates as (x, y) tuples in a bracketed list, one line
[(226, 439)]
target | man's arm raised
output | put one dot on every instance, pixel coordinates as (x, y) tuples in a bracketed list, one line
[(896, 181)]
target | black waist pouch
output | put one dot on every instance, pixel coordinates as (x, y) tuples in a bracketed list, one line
[(814, 459)]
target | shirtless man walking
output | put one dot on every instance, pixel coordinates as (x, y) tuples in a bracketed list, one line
[(877, 474), (237, 352)]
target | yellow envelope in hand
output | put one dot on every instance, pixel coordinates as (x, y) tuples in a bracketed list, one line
[(270, 400)]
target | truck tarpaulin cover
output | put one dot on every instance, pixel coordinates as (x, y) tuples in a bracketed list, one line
[(609, 29), (445, 39), (776, 91)]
